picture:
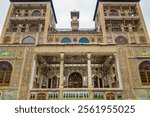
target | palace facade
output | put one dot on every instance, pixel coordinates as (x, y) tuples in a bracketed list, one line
[(40, 62)]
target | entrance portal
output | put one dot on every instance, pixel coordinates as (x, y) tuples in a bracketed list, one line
[(75, 80)]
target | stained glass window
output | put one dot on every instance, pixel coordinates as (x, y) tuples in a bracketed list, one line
[(84, 40), (66, 40)]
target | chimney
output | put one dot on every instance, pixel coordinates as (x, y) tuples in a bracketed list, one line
[(74, 22)]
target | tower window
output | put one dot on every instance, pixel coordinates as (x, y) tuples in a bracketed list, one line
[(142, 39), (113, 13), (7, 40), (36, 13), (5, 73), (144, 69), (34, 28), (28, 40)]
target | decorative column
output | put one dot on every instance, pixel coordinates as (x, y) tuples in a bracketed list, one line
[(90, 86), (27, 28), (61, 74), (89, 70), (33, 72), (118, 70)]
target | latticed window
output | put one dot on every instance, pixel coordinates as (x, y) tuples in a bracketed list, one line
[(34, 28), (145, 72), (142, 39), (113, 13), (5, 73)]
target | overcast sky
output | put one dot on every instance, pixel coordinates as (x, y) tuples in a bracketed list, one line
[(86, 8)]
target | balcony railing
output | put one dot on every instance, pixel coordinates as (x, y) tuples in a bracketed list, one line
[(80, 29), (75, 94)]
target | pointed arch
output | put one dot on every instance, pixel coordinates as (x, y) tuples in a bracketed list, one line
[(144, 69)]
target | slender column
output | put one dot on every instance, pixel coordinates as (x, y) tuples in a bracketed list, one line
[(19, 28), (98, 83), (102, 22), (40, 76), (89, 70), (61, 74), (40, 27), (61, 69), (27, 28), (41, 81), (33, 72), (90, 86), (118, 70)]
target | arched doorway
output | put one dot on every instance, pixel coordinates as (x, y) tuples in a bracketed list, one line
[(110, 96), (75, 80), (41, 96)]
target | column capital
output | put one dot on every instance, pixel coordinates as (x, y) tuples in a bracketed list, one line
[(115, 54), (62, 56), (89, 55)]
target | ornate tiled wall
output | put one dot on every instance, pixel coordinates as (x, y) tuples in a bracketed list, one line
[(9, 94), (142, 94), (27, 69), (124, 71), (129, 59), (15, 55)]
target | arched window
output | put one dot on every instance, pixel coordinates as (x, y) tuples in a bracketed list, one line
[(144, 69), (142, 39), (7, 40), (110, 96), (121, 40), (36, 13), (28, 40), (66, 40), (41, 96), (34, 28), (75, 80), (84, 40), (113, 12), (5, 73)]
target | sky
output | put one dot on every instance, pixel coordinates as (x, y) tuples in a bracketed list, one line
[(86, 8)]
